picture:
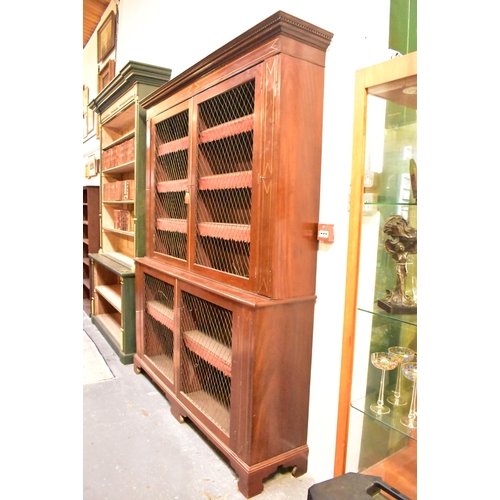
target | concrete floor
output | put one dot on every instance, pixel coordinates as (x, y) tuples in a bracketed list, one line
[(133, 448)]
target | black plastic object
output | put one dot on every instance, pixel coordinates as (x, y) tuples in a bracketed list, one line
[(354, 486)]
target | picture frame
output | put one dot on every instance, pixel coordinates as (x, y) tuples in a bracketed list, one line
[(105, 75), (85, 98), (85, 125), (106, 37), (90, 121), (92, 166)]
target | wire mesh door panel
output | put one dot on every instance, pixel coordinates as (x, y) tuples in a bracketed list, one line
[(159, 324), (224, 160), (206, 332), (171, 139)]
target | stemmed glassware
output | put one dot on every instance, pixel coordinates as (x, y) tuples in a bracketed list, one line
[(383, 361), (409, 370), (403, 354)]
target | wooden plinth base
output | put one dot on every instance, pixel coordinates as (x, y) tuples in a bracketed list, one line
[(399, 470), (251, 478)]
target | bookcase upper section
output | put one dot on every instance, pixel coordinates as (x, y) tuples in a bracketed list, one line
[(234, 159)]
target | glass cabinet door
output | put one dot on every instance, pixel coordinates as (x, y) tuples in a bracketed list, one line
[(377, 432)]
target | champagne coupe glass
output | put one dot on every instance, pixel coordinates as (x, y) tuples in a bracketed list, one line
[(403, 354), (409, 370), (383, 361)]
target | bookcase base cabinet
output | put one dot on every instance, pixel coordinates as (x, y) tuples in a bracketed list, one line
[(113, 304), (236, 364)]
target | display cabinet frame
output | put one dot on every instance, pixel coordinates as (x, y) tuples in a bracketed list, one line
[(386, 80)]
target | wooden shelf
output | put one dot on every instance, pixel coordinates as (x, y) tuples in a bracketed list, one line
[(112, 293), (165, 364), (235, 127), (173, 146), (121, 139), (233, 232), (161, 313), (118, 231), (172, 186), (119, 169), (173, 225), (112, 324), (118, 202), (209, 349), (216, 412), (234, 180)]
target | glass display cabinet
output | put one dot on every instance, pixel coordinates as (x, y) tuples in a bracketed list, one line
[(377, 421)]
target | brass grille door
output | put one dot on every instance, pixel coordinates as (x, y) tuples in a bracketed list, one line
[(224, 161), (159, 325), (171, 185), (206, 332)]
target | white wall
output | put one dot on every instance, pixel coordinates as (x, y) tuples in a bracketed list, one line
[(177, 35)]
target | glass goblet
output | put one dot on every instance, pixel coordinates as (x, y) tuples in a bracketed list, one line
[(403, 354), (383, 361), (409, 370)]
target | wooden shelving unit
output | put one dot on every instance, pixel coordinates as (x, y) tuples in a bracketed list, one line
[(122, 206), (226, 291), (90, 238)]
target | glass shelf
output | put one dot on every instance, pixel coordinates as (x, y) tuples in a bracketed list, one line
[(410, 319), (390, 204), (391, 419)]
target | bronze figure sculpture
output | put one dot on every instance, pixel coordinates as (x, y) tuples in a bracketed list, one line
[(401, 243)]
